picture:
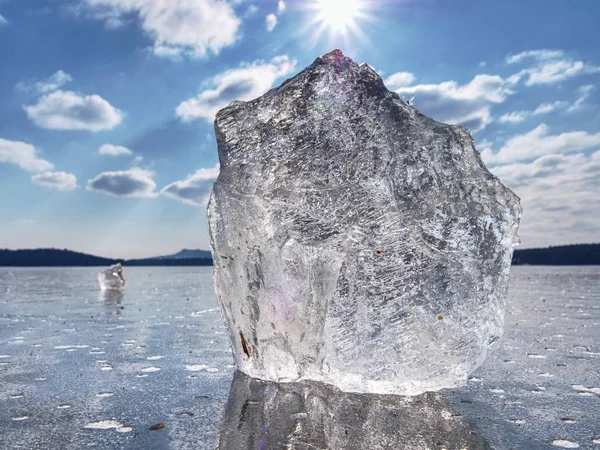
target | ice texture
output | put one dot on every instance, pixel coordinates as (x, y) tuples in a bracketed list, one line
[(112, 278), (356, 241)]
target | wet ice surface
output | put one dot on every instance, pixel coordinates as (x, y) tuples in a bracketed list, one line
[(78, 369)]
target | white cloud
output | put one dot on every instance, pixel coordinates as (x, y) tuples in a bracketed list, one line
[(560, 195), (584, 94), (549, 66), (191, 27), (66, 110), (61, 181), (514, 117), (53, 83), (468, 105), (244, 83), (399, 79), (554, 72), (280, 6), (23, 155), (134, 182), (539, 142), (114, 150), (195, 189), (271, 21), (538, 55), (546, 108), (3, 20)]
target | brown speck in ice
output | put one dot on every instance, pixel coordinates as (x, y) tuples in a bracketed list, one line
[(245, 346)]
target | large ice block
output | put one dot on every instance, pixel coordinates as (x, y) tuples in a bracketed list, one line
[(112, 278), (356, 241)]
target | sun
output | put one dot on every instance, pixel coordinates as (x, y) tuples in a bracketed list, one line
[(338, 15), (341, 22)]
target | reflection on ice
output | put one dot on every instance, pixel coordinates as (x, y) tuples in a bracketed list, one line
[(265, 415), (112, 298)]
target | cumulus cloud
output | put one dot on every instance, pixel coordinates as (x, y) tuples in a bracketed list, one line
[(192, 28), (468, 105), (244, 83), (560, 195), (61, 181), (135, 182), (539, 142), (271, 21), (23, 155), (66, 110), (280, 6), (195, 189), (549, 66), (114, 150), (399, 79)]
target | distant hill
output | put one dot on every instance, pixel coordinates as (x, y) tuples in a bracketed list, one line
[(50, 257), (563, 255), (187, 253), (170, 262)]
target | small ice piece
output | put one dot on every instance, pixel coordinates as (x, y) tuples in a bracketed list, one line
[(112, 278), (108, 425), (563, 443), (104, 394), (196, 367), (356, 241), (19, 418)]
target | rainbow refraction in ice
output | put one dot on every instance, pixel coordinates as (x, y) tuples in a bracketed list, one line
[(356, 241)]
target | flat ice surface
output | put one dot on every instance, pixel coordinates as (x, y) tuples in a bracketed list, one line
[(81, 368)]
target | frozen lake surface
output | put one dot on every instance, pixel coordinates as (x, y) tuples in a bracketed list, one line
[(81, 368)]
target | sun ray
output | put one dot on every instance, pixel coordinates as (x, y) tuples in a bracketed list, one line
[(339, 20)]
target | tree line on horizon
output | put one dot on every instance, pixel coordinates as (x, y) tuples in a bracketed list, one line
[(563, 255)]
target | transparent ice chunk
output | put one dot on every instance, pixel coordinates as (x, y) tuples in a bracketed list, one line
[(356, 241), (112, 278)]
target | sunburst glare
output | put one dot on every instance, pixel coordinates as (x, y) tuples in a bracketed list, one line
[(340, 19), (338, 15)]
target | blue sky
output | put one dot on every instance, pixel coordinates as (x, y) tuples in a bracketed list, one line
[(106, 106)]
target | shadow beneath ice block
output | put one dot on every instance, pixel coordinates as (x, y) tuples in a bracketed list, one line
[(266, 415)]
